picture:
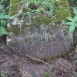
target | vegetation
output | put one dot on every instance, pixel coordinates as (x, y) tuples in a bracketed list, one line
[(36, 6), (3, 17), (47, 73), (73, 21), (31, 7), (74, 1)]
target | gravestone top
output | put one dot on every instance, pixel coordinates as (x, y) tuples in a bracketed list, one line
[(61, 12), (46, 41)]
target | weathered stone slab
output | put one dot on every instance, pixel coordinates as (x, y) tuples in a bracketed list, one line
[(44, 40)]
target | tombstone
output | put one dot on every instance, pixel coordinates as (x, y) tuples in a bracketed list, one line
[(48, 39)]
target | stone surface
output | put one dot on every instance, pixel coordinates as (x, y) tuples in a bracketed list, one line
[(42, 42), (43, 38)]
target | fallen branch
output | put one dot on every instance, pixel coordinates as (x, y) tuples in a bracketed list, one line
[(33, 58)]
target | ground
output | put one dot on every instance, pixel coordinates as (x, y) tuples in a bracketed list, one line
[(12, 65)]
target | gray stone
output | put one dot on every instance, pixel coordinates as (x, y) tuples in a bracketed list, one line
[(44, 41)]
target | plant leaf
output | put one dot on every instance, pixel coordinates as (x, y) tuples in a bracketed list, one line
[(70, 19), (3, 23), (71, 28), (1, 15), (75, 18), (75, 11), (5, 16), (2, 31), (75, 24), (68, 23)]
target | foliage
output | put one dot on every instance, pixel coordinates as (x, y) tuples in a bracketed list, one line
[(2, 27), (75, 1), (31, 7), (3, 16), (3, 75), (36, 6), (72, 21), (47, 73)]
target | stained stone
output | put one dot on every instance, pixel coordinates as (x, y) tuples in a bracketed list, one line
[(48, 39), (42, 42)]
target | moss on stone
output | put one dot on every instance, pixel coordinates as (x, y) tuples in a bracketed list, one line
[(41, 19), (16, 30), (14, 7), (26, 40), (62, 11)]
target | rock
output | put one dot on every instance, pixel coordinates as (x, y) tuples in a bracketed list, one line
[(46, 41), (44, 37)]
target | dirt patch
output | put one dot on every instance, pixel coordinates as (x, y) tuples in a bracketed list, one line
[(12, 65)]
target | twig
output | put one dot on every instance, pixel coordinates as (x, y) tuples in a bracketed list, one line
[(33, 58)]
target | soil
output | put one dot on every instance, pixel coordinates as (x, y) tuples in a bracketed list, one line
[(12, 65)]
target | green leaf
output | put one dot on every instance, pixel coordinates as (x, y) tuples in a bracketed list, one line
[(5, 16), (68, 23), (2, 1), (3, 23), (2, 31), (75, 24), (1, 15), (1, 7), (71, 28), (75, 18), (70, 19), (39, 1), (75, 11), (27, 4)]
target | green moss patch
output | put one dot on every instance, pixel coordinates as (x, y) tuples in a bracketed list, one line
[(14, 7), (60, 13), (62, 10)]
